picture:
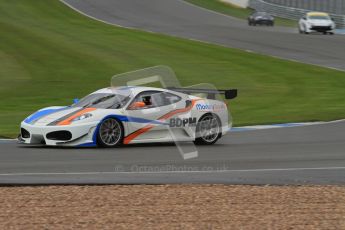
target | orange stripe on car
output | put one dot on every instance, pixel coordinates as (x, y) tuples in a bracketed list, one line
[(146, 128), (172, 113), (68, 120), (131, 136)]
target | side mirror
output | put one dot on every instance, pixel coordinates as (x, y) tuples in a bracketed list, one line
[(75, 100), (188, 103), (137, 105)]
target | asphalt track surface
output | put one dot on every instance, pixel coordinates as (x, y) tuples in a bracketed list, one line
[(311, 154), (178, 18)]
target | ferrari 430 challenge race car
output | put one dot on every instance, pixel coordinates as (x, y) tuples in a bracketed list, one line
[(137, 114)]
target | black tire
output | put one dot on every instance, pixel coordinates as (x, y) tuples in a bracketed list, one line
[(110, 133), (202, 126)]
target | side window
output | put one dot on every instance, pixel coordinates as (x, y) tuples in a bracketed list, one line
[(151, 99), (164, 98)]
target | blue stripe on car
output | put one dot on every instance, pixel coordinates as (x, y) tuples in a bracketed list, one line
[(41, 114), (138, 120), (88, 144)]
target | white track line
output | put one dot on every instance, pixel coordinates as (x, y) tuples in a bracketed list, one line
[(89, 16), (283, 125), (210, 11), (169, 172)]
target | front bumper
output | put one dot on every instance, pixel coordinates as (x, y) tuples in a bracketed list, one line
[(321, 28), (264, 22), (80, 134)]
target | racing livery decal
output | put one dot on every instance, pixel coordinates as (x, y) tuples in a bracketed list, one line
[(178, 122), (207, 107)]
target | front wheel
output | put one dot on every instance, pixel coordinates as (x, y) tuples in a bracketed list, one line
[(208, 130), (302, 29), (110, 133)]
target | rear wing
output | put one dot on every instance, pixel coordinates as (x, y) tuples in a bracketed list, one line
[(211, 93)]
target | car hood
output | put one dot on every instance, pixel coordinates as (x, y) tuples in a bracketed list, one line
[(56, 115), (320, 22)]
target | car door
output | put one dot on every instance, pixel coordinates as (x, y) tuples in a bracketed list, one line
[(148, 114)]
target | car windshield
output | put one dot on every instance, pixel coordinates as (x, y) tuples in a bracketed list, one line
[(103, 101), (261, 14), (319, 17)]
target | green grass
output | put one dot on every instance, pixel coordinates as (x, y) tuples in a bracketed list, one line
[(229, 9), (49, 54)]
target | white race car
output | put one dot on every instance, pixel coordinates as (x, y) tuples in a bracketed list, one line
[(125, 115), (316, 22)]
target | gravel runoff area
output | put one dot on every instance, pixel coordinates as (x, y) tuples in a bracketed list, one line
[(172, 207)]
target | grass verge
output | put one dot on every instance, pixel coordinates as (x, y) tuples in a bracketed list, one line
[(50, 54), (237, 12)]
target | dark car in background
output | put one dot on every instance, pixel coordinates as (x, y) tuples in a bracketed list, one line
[(260, 18)]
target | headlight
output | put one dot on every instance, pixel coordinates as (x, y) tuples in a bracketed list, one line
[(82, 117)]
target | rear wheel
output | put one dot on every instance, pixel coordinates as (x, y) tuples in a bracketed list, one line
[(208, 130), (110, 133)]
